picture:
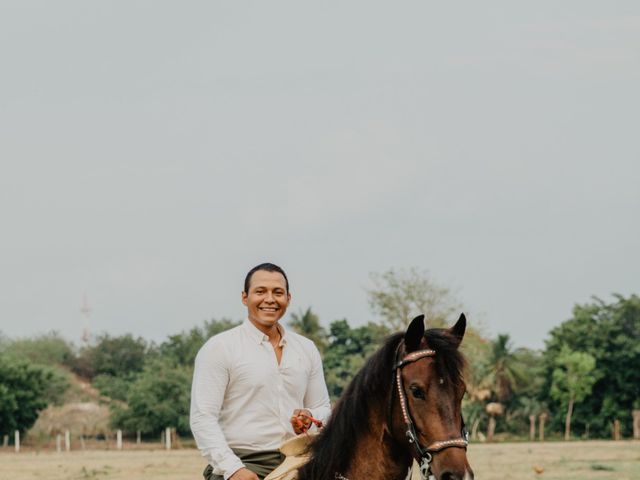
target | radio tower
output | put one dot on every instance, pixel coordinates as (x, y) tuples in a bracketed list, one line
[(86, 312)]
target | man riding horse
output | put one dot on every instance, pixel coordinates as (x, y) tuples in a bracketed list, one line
[(256, 385), (404, 406)]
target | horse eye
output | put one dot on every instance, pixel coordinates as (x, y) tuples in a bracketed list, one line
[(417, 392)]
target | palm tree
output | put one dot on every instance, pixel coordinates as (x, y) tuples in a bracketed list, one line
[(307, 323), (531, 407), (503, 373)]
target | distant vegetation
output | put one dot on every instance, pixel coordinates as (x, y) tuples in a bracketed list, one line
[(585, 378)]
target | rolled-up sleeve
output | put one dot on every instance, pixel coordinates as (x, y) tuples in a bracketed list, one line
[(316, 398), (210, 379)]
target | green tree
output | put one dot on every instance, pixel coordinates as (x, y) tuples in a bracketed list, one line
[(347, 350), (183, 347), (23, 393), (48, 349), (307, 323), (51, 353), (399, 295), (609, 331), (114, 387), (116, 356), (573, 379), (158, 398)]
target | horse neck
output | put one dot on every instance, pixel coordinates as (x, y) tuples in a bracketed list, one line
[(377, 455), (371, 452)]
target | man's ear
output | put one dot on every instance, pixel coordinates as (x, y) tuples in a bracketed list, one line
[(413, 335), (244, 298)]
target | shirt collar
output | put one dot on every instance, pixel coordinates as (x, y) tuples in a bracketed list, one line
[(283, 334), (259, 337)]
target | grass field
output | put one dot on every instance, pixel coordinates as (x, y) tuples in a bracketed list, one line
[(574, 460)]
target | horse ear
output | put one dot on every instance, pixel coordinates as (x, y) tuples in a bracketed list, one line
[(414, 334), (457, 331)]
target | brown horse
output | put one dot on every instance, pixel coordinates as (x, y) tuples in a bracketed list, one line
[(404, 404)]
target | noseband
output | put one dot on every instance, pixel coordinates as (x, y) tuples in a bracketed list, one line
[(425, 454)]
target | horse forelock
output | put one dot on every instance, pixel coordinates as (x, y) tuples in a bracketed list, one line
[(450, 362)]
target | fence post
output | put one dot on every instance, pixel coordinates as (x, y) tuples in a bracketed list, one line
[(616, 429), (636, 424), (67, 441), (532, 428), (58, 443), (138, 437), (119, 440), (17, 440), (5, 441), (542, 418), (167, 438)]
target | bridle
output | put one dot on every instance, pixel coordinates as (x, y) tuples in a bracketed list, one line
[(425, 454)]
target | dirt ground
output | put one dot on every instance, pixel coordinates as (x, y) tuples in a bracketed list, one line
[(517, 461), (556, 460)]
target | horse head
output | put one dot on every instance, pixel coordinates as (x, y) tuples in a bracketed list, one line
[(428, 391)]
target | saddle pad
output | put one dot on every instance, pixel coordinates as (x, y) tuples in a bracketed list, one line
[(295, 450)]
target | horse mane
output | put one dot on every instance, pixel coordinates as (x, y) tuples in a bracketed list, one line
[(334, 448)]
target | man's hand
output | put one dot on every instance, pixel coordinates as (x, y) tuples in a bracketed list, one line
[(301, 420), (244, 474)]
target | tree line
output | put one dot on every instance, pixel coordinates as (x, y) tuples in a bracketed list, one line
[(586, 377)]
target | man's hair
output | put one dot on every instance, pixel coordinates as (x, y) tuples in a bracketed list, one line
[(267, 267)]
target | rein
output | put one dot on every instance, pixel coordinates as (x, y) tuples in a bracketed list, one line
[(425, 454), (301, 425)]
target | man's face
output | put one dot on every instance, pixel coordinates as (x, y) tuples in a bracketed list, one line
[(267, 299)]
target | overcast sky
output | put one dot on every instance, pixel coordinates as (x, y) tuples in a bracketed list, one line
[(152, 152)]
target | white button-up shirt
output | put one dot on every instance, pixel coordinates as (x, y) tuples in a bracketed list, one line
[(242, 398)]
